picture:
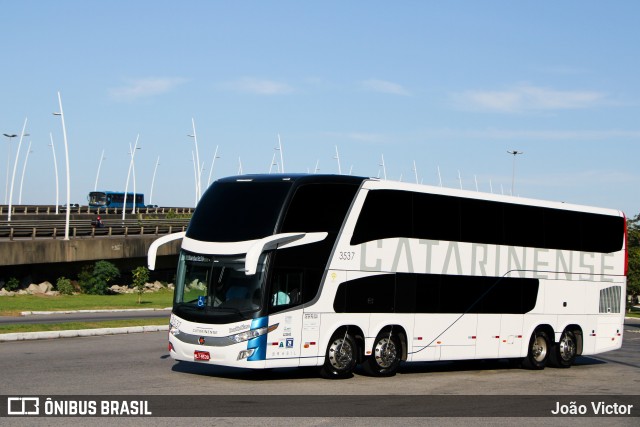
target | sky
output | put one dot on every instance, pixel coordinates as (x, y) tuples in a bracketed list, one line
[(449, 87)]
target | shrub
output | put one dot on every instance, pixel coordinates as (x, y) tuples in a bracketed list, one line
[(96, 281), (64, 286), (12, 284)]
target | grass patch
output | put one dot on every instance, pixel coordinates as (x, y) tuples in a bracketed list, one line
[(66, 326), (12, 306)]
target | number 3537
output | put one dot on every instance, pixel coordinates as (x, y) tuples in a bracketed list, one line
[(346, 255)]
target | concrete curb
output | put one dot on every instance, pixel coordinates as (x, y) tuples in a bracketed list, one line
[(27, 336), (118, 310)]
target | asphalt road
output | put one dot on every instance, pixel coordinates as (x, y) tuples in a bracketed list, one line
[(139, 364), (85, 317)]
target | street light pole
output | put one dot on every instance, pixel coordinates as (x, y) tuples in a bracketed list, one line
[(95, 187), (198, 172), (55, 167), (15, 165), (153, 180), (513, 174), (6, 189), (337, 157), (24, 169), (126, 187), (213, 162), (279, 148), (66, 154), (384, 168)]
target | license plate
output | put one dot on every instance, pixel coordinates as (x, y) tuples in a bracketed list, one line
[(201, 355)]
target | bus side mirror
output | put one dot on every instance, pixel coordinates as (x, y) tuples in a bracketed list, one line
[(153, 249)]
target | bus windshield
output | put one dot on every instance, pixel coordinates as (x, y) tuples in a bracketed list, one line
[(218, 284), (97, 198)]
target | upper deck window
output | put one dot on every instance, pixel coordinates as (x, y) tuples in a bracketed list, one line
[(238, 211), (394, 213)]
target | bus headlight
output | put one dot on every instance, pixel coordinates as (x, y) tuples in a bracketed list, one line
[(252, 333)]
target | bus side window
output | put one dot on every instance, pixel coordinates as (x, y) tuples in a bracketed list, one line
[(285, 288)]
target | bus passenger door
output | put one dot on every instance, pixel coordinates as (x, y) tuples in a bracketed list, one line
[(283, 344)]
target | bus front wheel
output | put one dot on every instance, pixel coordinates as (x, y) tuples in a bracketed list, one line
[(385, 358), (341, 356), (538, 351)]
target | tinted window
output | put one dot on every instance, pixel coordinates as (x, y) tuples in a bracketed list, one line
[(435, 293), (388, 213), (374, 294), (602, 233), (237, 211), (437, 217), (480, 221), (297, 272), (318, 207), (523, 226), (385, 214)]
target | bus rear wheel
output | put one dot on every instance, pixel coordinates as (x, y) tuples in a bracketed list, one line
[(538, 352), (385, 357), (565, 351), (341, 356)]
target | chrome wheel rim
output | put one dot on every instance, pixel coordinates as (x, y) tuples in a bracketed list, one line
[(567, 347), (386, 353), (340, 354), (539, 348)]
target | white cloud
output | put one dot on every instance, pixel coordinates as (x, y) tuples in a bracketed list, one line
[(258, 86), (536, 135), (383, 86), (146, 87), (526, 97)]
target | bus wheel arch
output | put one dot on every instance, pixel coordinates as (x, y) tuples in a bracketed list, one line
[(568, 347), (389, 348), (539, 348), (342, 353)]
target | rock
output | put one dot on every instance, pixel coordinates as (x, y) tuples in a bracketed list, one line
[(33, 289), (119, 289), (45, 287)]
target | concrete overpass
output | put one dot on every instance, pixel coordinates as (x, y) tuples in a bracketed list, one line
[(45, 251), (32, 244)]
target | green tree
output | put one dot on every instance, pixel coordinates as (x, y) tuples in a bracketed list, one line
[(96, 281), (633, 278), (140, 278)]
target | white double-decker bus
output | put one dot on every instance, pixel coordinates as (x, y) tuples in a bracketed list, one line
[(336, 271)]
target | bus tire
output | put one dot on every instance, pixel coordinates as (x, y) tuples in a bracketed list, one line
[(565, 351), (341, 356), (385, 356), (538, 352)]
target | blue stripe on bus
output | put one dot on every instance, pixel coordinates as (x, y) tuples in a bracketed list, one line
[(259, 343)]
